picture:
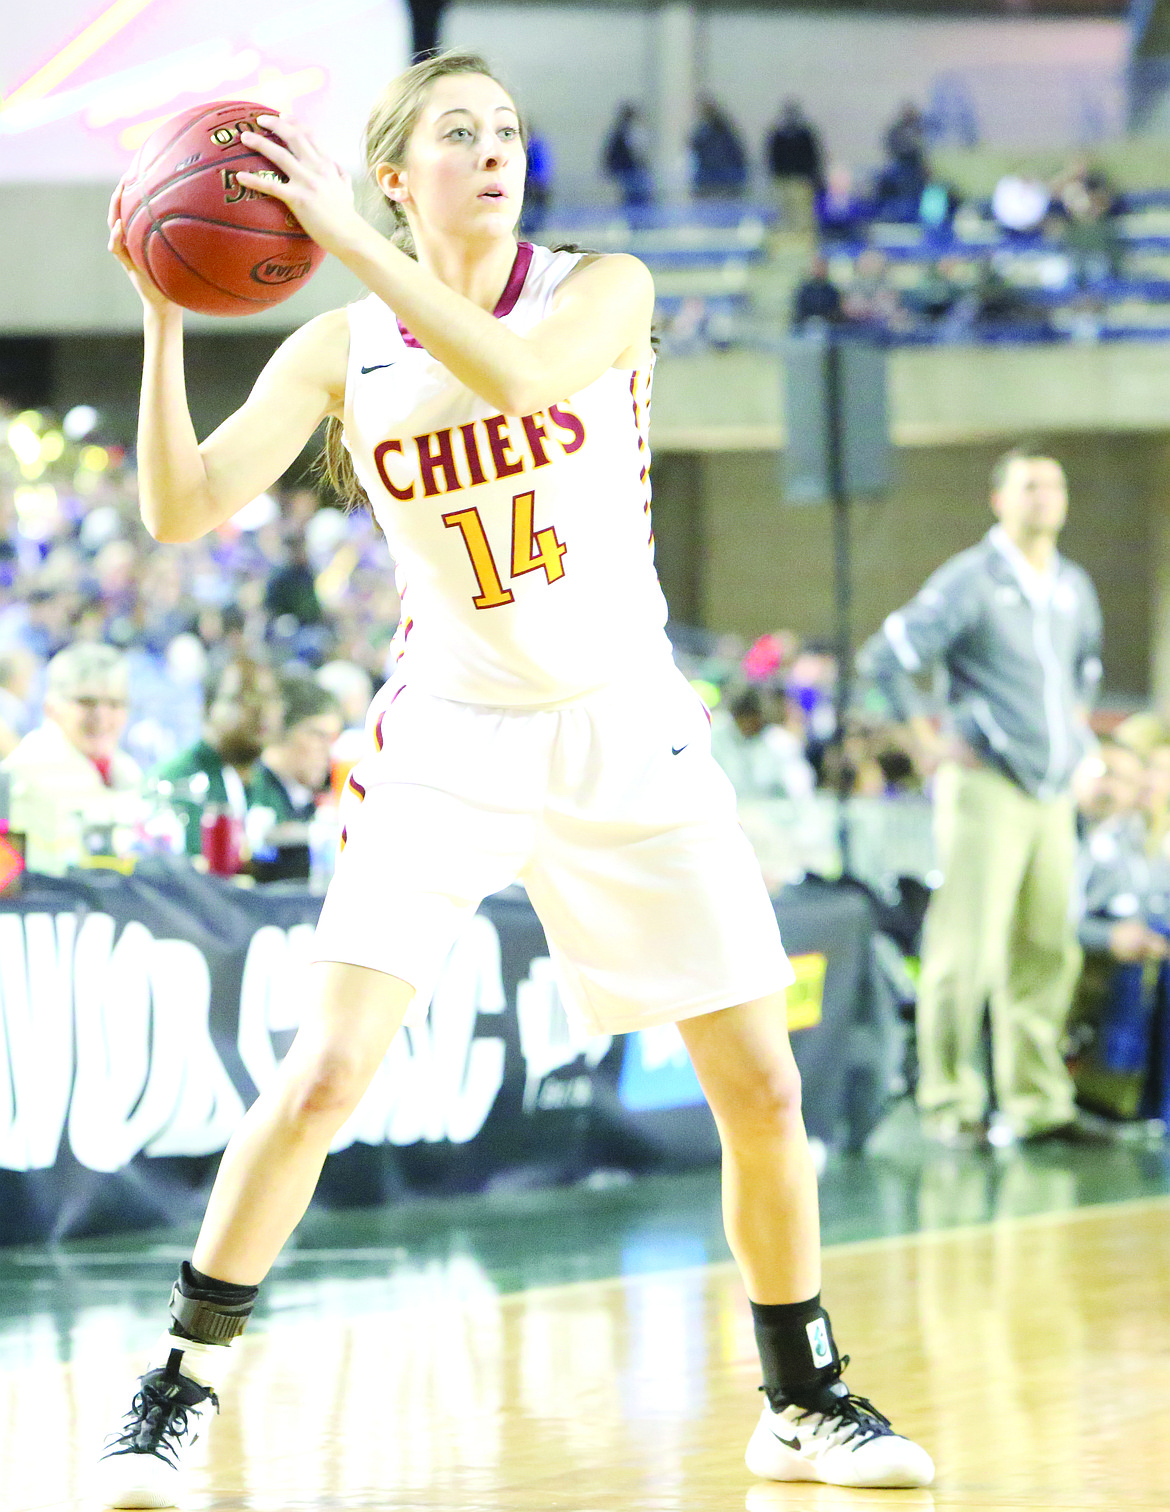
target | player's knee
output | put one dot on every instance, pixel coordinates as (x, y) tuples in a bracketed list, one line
[(328, 1088), (769, 1103), (782, 1092)]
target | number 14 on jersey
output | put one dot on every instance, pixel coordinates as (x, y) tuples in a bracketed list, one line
[(532, 549)]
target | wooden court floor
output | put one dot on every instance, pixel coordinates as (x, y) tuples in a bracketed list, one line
[(1031, 1356)]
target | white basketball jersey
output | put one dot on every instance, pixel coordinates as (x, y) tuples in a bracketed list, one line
[(523, 544)]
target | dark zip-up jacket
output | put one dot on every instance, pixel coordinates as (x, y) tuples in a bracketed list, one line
[(1020, 674)]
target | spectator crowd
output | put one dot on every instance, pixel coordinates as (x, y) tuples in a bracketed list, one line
[(129, 668), (1040, 258)]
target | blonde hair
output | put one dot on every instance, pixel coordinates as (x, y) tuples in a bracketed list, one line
[(388, 131), (86, 664)]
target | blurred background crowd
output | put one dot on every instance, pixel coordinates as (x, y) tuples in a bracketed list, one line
[(215, 640), (904, 249), (218, 641)]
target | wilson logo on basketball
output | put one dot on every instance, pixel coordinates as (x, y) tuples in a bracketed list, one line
[(234, 191), (272, 270)]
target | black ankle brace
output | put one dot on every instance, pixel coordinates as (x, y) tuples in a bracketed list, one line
[(208, 1311), (797, 1350)]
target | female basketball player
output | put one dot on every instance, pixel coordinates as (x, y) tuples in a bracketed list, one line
[(494, 400)]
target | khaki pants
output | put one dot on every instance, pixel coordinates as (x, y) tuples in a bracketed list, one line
[(795, 200), (999, 927)]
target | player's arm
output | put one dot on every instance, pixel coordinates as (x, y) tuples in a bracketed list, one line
[(600, 319), (187, 488), (302, 382)]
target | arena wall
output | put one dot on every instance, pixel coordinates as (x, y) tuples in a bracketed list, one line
[(852, 71), (733, 556)]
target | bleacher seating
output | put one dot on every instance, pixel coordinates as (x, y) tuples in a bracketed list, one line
[(701, 254), (1133, 305), (707, 257)]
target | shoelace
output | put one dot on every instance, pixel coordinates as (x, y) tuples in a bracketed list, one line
[(859, 1420), (156, 1424)]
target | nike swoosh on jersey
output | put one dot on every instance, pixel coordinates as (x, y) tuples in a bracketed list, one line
[(373, 368), (678, 750)]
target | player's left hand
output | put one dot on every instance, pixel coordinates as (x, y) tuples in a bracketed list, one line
[(317, 190)]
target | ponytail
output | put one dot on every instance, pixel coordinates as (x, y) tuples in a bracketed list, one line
[(335, 464)]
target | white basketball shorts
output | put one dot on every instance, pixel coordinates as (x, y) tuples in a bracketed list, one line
[(611, 811)]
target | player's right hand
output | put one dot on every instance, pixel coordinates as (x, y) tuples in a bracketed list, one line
[(147, 290)]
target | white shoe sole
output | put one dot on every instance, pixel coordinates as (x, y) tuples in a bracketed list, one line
[(885, 1463), (119, 1484)]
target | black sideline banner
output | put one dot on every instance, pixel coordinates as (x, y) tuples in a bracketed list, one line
[(140, 1015)]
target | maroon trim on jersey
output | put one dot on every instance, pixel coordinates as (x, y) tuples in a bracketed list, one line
[(515, 284), (644, 474), (507, 300)]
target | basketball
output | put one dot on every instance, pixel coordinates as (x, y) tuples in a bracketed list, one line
[(208, 243)]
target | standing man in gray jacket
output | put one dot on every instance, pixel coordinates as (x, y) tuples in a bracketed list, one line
[(1017, 630)]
